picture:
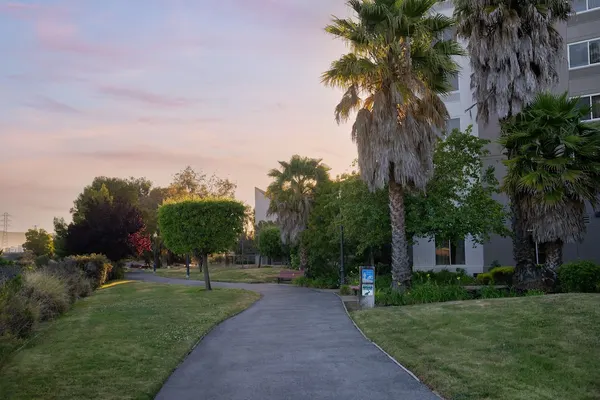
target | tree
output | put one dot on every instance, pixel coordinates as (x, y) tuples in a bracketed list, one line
[(515, 53), (191, 184), (105, 228), (60, 237), (39, 242), (553, 169), (459, 199), (201, 227), (398, 67), (292, 194), (269, 242)]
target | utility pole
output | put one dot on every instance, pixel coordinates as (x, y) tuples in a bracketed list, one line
[(5, 225)]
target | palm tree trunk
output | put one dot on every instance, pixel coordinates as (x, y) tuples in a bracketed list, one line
[(527, 275), (554, 255), (303, 257), (401, 273)]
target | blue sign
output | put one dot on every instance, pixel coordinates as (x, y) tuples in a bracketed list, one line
[(368, 276)]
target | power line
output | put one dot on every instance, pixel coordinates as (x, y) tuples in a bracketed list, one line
[(5, 225)]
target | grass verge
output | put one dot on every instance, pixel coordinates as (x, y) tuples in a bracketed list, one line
[(225, 274), (123, 342), (544, 347)]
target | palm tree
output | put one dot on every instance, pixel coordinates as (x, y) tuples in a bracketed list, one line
[(292, 195), (398, 67), (516, 53), (554, 168)]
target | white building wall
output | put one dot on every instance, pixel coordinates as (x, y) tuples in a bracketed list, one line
[(457, 104), (261, 206)]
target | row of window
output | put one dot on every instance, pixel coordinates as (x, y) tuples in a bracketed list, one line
[(585, 5), (591, 102), (584, 53), (452, 252)]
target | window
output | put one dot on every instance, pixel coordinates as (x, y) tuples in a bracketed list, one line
[(585, 5), (449, 252), (584, 53), (452, 124), (591, 104), (454, 82)]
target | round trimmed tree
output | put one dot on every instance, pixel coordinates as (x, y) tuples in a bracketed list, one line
[(201, 227)]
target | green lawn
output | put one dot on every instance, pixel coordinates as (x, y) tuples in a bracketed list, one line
[(120, 343), (528, 348), (226, 274)]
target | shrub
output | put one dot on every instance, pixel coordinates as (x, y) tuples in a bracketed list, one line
[(48, 291), (4, 262), (432, 292), (534, 292), (503, 275), (18, 314), (443, 277), (579, 276), (485, 278), (95, 266), (42, 260), (301, 281), (388, 297), (490, 292), (78, 285), (345, 290)]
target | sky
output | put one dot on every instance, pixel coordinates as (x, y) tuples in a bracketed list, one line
[(147, 87)]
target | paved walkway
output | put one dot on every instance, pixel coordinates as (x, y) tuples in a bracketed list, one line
[(293, 344)]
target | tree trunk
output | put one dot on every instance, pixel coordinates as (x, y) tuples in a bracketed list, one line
[(187, 266), (303, 257), (206, 276), (259, 260), (200, 261), (527, 274), (401, 273), (554, 255)]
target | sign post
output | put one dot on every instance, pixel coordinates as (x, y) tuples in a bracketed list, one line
[(367, 287)]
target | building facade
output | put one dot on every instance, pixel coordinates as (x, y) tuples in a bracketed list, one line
[(580, 76)]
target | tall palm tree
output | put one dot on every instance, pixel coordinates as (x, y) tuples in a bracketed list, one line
[(554, 168), (516, 52), (398, 67), (292, 195)]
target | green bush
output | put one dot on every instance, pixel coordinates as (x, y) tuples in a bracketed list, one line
[(534, 292), (78, 285), (302, 281), (41, 261), (4, 262), (503, 275), (345, 290), (579, 276), (18, 313), (443, 277), (432, 292), (388, 297), (490, 292), (49, 291), (485, 279), (95, 266)]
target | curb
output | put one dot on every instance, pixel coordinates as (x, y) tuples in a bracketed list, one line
[(376, 345)]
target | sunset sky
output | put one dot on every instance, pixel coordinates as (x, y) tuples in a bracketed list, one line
[(146, 87)]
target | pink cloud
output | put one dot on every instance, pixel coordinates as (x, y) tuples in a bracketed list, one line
[(145, 97), (47, 104)]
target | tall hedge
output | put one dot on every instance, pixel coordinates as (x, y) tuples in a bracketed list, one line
[(201, 227)]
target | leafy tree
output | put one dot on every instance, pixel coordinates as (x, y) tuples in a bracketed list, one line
[(39, 242), (398, 67), (553, 169), (459, 198), (515, 53), (201, 227), (269, 242), (191, 184), (292, 195), (60, 237), (106, 228)]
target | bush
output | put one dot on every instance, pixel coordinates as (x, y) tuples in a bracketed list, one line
[(485, 279), (432, 292), (302, 281), (443, 277), (503, 275), (4, 262), (534, 292), (48, 291), (579, 276), (388, 297), (78, 285), (345, 290), (95, 266), (18, 314), (490, 292), (41, 261)]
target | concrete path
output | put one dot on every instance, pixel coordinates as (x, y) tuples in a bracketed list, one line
[(293, 344)]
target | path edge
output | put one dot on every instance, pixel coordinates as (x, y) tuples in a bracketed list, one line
[(376, 345)]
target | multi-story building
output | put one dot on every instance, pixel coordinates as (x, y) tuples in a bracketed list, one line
[(580, 76)]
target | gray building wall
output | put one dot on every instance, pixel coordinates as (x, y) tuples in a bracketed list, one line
[(577, 82)]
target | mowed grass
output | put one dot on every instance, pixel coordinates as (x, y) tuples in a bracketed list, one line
[(123, 342), (225, 274), (545, 347)]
